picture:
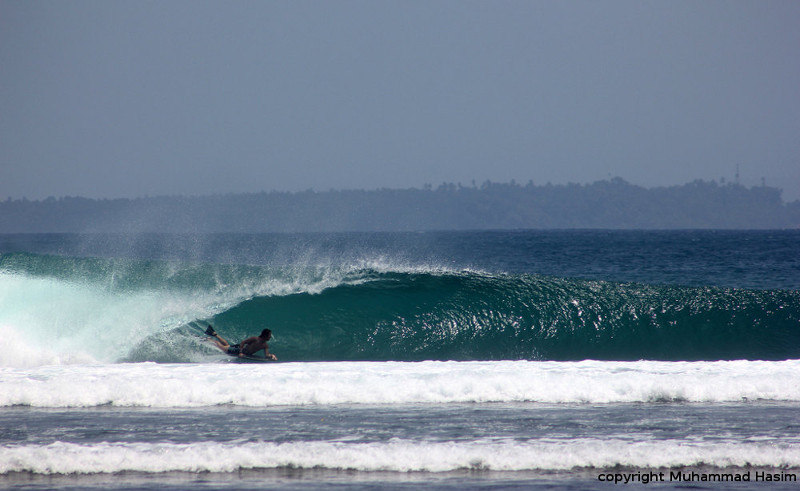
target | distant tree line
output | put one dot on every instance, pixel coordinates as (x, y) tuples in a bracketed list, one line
[(607, 204)]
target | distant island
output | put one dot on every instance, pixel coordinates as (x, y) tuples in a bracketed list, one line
[(607, 204)]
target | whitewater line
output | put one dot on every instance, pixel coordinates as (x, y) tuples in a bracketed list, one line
[(323, 383)]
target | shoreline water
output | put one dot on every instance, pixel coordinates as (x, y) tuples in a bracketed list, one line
[(403, 438), (301, 479)]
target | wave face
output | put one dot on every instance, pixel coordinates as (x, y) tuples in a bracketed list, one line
[(471, 316), (133, 310)]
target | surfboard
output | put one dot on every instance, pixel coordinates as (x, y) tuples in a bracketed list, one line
[(250, 359)]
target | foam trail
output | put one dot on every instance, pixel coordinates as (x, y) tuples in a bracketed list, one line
[(197, 385), (395, 455)]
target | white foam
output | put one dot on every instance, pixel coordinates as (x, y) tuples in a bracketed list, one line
[(45, 321), (394, 455), (195, 385), (48, 321)]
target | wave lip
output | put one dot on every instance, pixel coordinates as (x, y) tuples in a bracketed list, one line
[(198, 385), (394, 455)]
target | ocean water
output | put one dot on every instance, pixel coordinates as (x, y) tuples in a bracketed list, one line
[(459, 360)]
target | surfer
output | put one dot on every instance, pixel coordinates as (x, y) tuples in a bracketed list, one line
[(248, 347)]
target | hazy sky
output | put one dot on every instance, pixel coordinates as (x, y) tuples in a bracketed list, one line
[(134, 98)]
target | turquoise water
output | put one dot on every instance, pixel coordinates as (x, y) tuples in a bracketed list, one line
[(450, 360)]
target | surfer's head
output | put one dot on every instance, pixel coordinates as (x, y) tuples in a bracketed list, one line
[(265, 334)]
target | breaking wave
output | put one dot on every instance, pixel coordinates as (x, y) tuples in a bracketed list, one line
[(111, 310)]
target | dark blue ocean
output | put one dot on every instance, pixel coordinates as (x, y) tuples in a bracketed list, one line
[(498, 359)]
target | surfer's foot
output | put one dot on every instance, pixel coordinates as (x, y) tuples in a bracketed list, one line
[(210, 331)]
